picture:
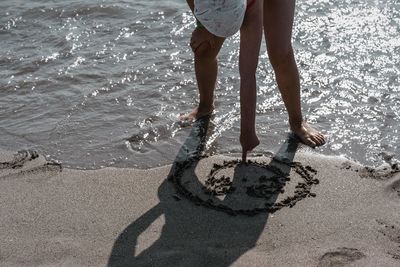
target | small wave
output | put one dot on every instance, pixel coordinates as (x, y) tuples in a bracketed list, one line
[(99, 10), (150, 134), (4, 31), (71, 11), (6, 60), (41, 12), (27, 68)]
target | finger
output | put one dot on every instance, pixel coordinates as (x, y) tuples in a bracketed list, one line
[(244, 156)]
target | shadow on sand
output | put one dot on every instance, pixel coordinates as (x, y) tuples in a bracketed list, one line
[(194, 235)]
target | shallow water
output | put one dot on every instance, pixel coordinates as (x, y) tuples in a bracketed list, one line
[(100, 83)]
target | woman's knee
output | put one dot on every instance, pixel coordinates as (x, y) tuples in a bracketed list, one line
[(206, 52), (281, 56)]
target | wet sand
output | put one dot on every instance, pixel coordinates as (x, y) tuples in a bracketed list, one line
[(126, 217)]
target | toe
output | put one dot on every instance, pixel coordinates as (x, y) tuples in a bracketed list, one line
[(317, 140), (309, 142), (186, 117), (321, 139)]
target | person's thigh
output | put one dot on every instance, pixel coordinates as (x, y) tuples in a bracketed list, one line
[(278, 23)]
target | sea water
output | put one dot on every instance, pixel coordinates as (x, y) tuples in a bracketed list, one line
[(93, 84)]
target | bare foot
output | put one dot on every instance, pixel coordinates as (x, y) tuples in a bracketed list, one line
[(308, 135), (248, 142), (195, 114)]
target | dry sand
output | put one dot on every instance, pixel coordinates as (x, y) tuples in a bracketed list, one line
[(294, 208)]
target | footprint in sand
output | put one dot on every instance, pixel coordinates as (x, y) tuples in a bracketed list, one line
[(392, 232), (19, 159), (27, 162), (395, 187), (340, 257)]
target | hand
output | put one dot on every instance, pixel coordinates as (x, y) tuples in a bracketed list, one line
[(200, 36), (248, 141)]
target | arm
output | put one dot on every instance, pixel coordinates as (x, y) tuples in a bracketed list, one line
[(250, 41)]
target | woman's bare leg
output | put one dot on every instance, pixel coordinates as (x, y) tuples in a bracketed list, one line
[(206, 68), (206, 47), (278, 22)]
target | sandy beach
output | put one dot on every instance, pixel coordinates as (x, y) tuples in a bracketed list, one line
[(294, 208)]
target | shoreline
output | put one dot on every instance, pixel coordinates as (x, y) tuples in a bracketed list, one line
[(114, 216)]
